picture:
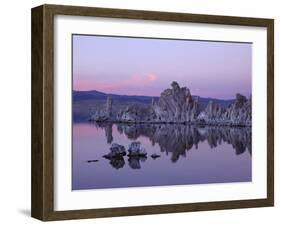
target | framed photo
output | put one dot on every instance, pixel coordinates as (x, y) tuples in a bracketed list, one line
[(142, 112)]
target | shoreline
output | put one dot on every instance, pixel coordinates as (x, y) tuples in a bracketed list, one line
[(170, 123)]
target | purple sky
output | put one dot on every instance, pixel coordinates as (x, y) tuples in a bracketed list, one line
[(137, 66)]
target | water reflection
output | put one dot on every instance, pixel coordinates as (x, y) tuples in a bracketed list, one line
[(134, 161), (175, 155), (178, 139), (117, 163)]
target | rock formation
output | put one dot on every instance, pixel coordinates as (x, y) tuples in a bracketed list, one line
[(104, 115), (177, 105), (237, 114), (136, 113), (240, 112), (213, 114)]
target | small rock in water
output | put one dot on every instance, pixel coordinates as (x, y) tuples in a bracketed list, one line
[(134, 146), (155, 156), (116, 150), (135, 149), (93, 160)]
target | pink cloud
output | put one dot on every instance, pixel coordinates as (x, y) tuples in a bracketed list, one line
[(134, 82)]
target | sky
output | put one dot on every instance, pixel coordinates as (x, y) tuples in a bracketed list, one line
[(143, 66)]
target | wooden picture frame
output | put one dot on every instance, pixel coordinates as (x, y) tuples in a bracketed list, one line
[(42, 204)]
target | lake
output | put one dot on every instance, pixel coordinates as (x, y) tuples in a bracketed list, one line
[(188, 155)]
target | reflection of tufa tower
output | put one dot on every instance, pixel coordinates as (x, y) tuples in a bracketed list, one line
[(109, 106), (108, 133)]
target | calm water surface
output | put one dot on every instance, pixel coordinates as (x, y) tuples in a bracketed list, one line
[(188, 155)]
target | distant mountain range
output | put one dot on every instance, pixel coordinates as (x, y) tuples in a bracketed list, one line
[(86, 103), (96, 95)]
